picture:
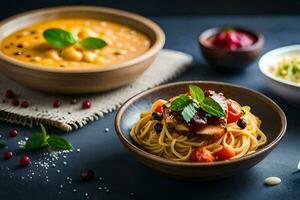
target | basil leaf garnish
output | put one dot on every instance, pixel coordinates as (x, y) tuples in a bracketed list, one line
[(210, 106), (36, 141), (59, 38), (93, 43), (189, 107), (196, 93), (189, 112), (180, 103), (59, 143)]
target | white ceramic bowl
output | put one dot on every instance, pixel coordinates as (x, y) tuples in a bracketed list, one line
[(286, 89)]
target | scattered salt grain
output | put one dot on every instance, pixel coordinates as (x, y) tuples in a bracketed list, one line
[(58, 171), (78, 150), (272, 181), (298, 166), (106, 130), (21, 144)]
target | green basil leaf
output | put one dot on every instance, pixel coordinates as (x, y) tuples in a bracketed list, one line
[(59, 38), (189, 112), (36, 141), (212, 107), (196, 93), (2, 144), (93, 43), (180, 102), (59, 143), (44, 133)]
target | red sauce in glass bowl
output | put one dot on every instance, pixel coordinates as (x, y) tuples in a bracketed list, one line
[(232, 40)]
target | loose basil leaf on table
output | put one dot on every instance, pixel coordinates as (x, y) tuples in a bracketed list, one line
[(41, 140), (59, 38), (36, 141), (44, 133), (59, 143), (2, 144), (93, 43)]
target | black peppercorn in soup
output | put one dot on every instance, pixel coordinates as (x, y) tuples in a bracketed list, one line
[(75, 43)]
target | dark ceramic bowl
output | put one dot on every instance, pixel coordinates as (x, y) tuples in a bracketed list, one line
[(229, 59), (273, 125)]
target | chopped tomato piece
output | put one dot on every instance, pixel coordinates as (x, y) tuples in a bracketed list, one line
[(202, 155), (234, 111), (225, 153), (187, 94), (159, 109)]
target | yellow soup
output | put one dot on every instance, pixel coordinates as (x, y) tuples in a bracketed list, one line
[(28, 45)]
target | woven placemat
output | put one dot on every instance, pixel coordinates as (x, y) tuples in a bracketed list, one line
[(69, 117)]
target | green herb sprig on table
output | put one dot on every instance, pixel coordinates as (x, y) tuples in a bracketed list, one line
[(60, 39), (189, 104), (2, 144), (42, 140)]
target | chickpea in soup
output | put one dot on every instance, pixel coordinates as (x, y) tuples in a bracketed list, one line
[(118, 43)]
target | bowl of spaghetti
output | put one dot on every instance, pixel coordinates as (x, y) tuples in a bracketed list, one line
[(200, 130)]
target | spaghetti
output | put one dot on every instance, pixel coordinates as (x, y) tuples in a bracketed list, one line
[(156, 137)]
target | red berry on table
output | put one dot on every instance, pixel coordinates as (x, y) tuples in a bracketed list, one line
[(7, 155), (87, 175), (15, 102), (56, 103), (24, 161), (9, 94), (13, 133), (24, 104), (86, 104)]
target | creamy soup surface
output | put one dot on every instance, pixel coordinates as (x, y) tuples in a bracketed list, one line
[(28, 44)]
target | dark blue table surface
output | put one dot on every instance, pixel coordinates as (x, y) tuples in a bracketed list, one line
[(125, 177)]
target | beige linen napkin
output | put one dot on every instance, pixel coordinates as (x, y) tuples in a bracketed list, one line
[(69, 117)]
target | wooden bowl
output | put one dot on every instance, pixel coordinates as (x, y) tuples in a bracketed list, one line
[(273, 124), (49, 79), (228, 59)]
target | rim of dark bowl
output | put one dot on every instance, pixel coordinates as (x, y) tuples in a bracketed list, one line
[(156, 158)]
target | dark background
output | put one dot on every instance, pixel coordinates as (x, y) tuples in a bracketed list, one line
[(164, 7)]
